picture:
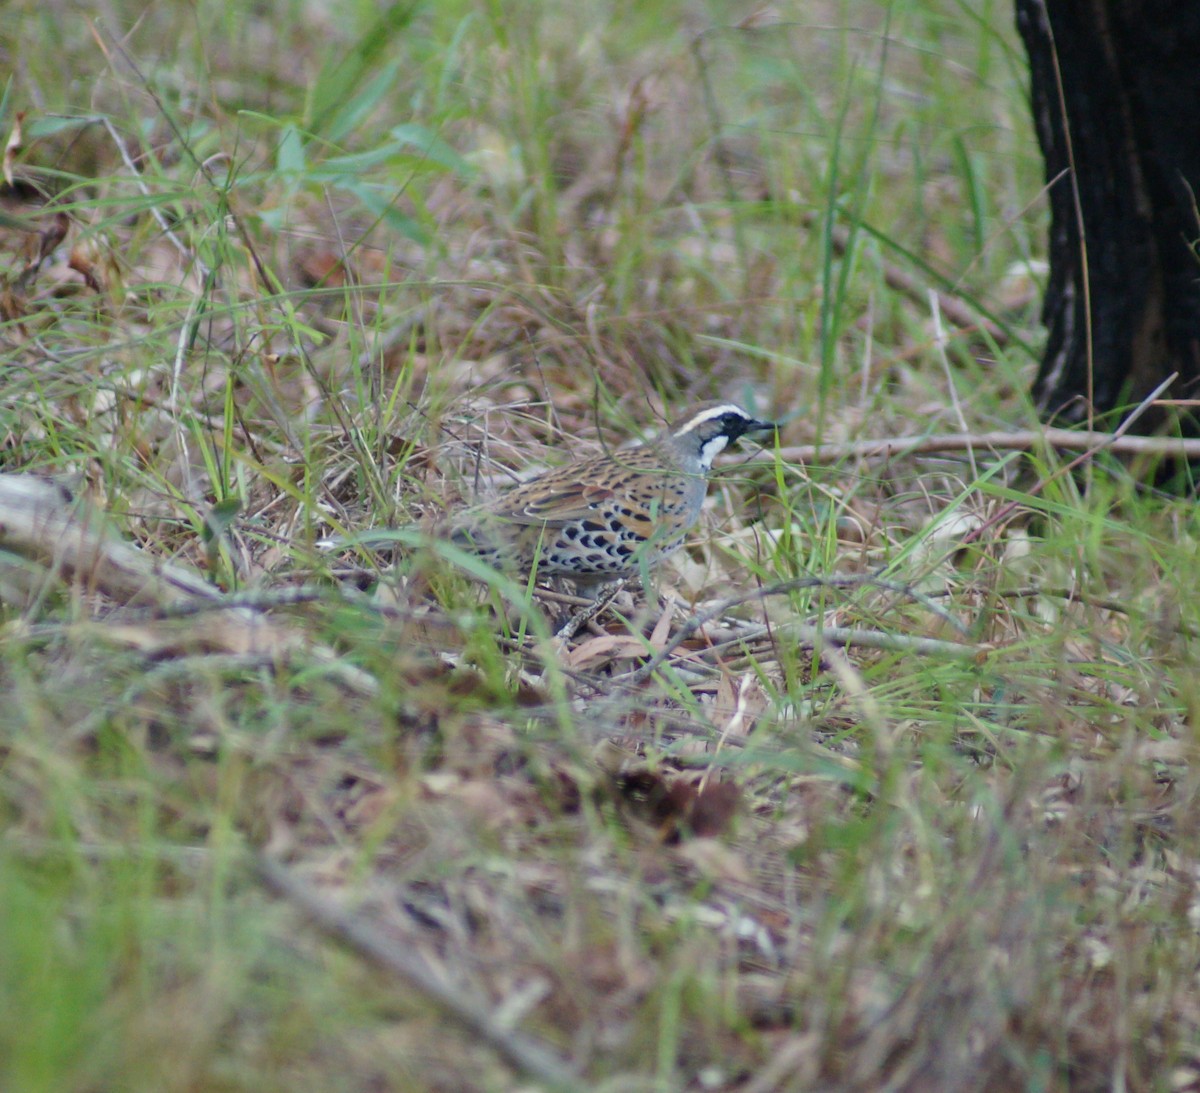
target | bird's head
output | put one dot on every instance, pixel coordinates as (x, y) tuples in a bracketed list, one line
[(711, 429)]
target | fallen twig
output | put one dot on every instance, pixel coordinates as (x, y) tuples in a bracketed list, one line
[(1023, 440), (810, 635), (835, 634)]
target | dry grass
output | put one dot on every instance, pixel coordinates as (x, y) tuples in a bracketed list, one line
[(281, 276)]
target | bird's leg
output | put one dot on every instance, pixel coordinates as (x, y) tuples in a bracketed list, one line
[(604, 596)]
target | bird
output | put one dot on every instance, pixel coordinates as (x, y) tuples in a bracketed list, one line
[(606, 517)]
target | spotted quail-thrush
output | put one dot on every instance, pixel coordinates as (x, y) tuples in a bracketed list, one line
[(601, 518)]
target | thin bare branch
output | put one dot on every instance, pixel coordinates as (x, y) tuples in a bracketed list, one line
[(1021, 440)]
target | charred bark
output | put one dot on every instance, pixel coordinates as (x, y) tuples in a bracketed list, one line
[(1122, 150)]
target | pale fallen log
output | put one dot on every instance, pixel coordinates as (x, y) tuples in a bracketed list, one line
[(41, 522)]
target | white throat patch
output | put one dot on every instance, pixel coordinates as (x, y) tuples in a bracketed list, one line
[(710, 449)]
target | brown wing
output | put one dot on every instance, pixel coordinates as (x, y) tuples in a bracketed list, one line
[(553, 500), (575, 490)]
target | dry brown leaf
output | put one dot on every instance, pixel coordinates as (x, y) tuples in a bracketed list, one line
[(605, 647), (484, 802), (12, 306), (97, 262), (661, 631), (38, 246), (707, 808), (736, 706), (680, 804), (12, 149), (480, 799), (50, 236), (84, 260), (611, 757), (369, 806), (725, 700), (325, 269), (716, 860)]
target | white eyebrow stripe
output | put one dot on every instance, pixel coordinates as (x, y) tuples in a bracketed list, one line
[(709, 414)]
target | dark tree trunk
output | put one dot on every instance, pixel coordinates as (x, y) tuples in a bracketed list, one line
[(1130, 78)]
